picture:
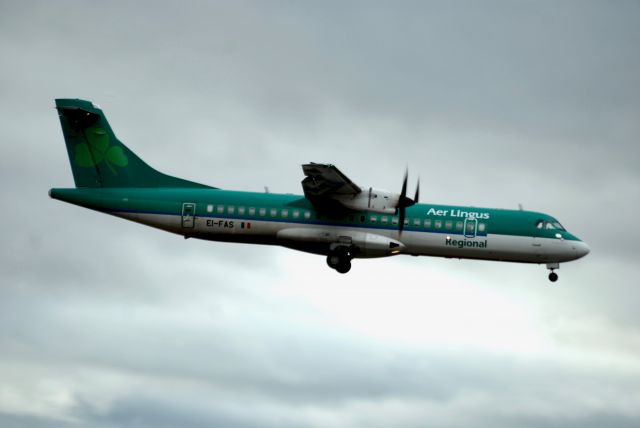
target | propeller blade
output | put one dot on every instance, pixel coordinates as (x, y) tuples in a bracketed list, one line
[(402, 202), (403, 193), (401, 219), (405, 202)]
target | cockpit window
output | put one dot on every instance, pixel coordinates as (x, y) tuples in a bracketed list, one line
[(549, 225)]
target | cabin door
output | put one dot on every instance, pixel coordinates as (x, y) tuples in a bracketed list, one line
[(188, 215)]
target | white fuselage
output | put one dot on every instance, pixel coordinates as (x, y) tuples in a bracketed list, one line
[(374, 242)]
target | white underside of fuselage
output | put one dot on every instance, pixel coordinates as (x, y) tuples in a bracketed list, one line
[(419, 243)]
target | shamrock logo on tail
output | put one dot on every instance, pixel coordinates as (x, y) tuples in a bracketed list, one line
[(98, 149)]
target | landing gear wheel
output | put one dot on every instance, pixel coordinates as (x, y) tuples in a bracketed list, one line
[(344, 266), (553, 277), (333, 260), (340, 259)]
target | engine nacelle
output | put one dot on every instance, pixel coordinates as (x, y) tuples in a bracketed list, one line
[(375, 200), (374, 245), (366, 244)]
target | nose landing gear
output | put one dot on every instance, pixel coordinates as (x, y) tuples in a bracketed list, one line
[(553, 277)]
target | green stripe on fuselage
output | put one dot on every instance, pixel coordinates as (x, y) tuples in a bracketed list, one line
[(169, 201)]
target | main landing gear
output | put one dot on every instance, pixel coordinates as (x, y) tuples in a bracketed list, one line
[(553, 277), (340, 259)]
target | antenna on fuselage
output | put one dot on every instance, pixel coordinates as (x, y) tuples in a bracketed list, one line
[(520, 207), (266, 189)]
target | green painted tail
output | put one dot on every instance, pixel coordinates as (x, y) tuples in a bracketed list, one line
[(98, 158)]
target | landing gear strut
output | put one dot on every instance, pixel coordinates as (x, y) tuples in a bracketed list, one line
[(340, 259), (553, 277)]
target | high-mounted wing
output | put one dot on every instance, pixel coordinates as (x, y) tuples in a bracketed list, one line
[(331, 192), (325, 181)]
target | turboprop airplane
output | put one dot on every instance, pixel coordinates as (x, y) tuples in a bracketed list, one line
[(335, 218)]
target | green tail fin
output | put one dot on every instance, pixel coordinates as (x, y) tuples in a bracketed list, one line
[(98, 158)]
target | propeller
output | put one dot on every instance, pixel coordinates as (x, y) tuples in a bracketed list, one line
[(404, 201)]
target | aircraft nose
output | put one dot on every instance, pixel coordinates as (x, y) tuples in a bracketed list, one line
[(581, 249)]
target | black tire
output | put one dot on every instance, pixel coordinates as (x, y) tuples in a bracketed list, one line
[(553, 277), (333, 260), (344, 266), (338, 256)]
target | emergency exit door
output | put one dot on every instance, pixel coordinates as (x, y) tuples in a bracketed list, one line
[(470, 227)]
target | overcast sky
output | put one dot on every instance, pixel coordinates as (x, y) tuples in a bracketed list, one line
[(106, 323)]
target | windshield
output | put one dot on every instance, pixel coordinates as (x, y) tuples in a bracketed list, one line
[(550, 225)]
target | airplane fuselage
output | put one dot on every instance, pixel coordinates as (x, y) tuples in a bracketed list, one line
[(291, 221)]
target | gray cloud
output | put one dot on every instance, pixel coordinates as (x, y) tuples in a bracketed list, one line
[(108, 323)]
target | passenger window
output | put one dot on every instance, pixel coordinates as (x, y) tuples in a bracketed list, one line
[(252, 211), (427, 223), (394, 220), (438, 224), (307, 214), (220, 209), (231, 209), (384, 219), (373, 219), (406, 222), (284, 213), (416, 222), (209, 208), (481, 227), (296, 213), (362, 219), (263, 211), (448, 224), (241, 210), (273, 212), (458, 225), (470, 226)]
